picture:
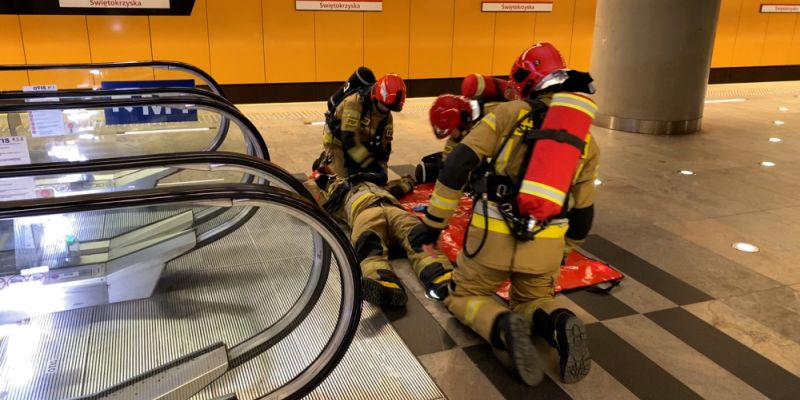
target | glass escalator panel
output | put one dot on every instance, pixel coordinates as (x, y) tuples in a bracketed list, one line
[(105, 300)]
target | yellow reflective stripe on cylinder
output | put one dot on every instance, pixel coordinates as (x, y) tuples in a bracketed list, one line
[(481, 85), (443, 202), (543, 191), (575, 102), (491, 120)]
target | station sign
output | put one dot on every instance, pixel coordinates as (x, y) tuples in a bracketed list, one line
[(505, 6), (335, 5), (148, 114), (97, 7), (780, 8)]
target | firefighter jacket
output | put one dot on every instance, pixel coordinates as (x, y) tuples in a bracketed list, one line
[(500, 250), (360, 131)]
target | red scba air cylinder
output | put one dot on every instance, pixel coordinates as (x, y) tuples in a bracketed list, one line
[(551, 168)]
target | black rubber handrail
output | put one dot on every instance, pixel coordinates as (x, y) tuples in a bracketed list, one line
[(350, 306), (222, 130), (156, 64), (175, 160), (225, 109)]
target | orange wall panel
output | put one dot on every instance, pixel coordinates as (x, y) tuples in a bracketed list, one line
[(386, 38), (50, 39), (339, 38), (430, 55), (11, 52), (183, 38), (473, 39), (750, 35), (725, 37), (795, 50), (288, 42), (556, 27), (118, 38), (582, 35), (513, 33), (778, 38), (236, 40)]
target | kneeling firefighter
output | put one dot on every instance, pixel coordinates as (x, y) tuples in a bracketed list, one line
[(539, 187), (368, 205), (358, 126), (452, 117)]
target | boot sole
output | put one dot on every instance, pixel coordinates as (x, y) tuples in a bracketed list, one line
[(578, 361), (374, 293), (526, 359)]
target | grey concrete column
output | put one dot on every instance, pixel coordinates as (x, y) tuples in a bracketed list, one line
[(650, 61)]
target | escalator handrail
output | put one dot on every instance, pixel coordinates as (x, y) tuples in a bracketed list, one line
[(226, 110), (350, 306), (156, 64), (222, 130)]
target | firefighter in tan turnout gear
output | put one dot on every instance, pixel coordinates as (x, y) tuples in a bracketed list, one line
[(358, 129), (509, 235), (369, 206)]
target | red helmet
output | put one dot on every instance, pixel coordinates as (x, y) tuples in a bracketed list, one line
[(389, 91), (533, 66), (449, 113)]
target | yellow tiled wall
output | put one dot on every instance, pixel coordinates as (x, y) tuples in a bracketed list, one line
[(266, 41)]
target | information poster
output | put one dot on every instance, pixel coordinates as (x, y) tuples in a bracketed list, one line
[(14, 151), (45, 122)]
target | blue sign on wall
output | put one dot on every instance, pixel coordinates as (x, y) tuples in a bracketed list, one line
[(149, 114)]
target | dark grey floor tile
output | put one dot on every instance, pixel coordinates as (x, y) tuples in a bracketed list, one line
[(421, 333), (633, 369), (507, 382), (749, 366), (600, 305), (672, 288)]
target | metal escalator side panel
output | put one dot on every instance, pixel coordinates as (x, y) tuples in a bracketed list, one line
[(135, 275), (176, 223), (178, 380), (143, 178)]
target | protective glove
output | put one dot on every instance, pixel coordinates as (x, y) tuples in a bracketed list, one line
[(422, 235), (336, 199)]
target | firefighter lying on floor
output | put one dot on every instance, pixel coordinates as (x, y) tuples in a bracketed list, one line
[(369, 206)]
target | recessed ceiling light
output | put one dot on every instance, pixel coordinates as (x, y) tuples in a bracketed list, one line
[(782, 108), (767, 164), (746, 247), (774, 139), (778, 122), (686, 172), (598, 182)]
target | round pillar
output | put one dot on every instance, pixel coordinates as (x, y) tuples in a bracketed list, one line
[(650, 62)]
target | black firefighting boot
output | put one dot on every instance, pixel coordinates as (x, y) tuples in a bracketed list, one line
[(384, 290), (436, 279), (511, 333), (567, 334)]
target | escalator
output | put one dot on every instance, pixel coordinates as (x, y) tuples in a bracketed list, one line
[(211, 313), (170, 260)]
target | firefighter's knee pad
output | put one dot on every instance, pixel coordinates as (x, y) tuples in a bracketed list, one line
[(369, 244)]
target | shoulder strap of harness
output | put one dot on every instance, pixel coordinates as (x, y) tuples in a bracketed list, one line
[(558, 136)]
